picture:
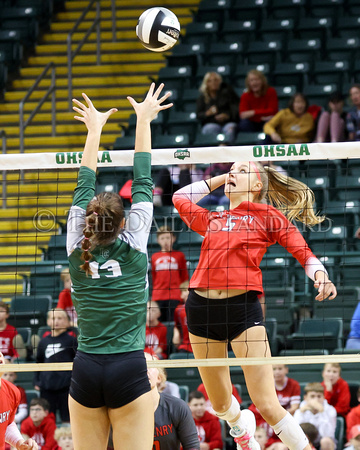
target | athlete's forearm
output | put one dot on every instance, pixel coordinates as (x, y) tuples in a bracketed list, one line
[(143, 136), (90, 154), (216, 182)]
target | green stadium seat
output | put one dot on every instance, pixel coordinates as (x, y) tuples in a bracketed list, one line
[(287, 9), (301, 50), (225, 53), (319, 94), (29, 310), (271, 331), (291, 74), (314, 28), (45, 280), (125, 143), (306, 373), (45, 9), (213, 10), (187, 101), (188, 376), (171, 141), (182, 122), (284, 94), (324, 8), (248, 138), (276, 272), (339, 49), (277, 30), (304, 352), (30, 393), (201, 32), (340, 431), (320, 168), (250, 10), (208, 140), (12, 49), (175, 77), (25, 333), (320, 186), (24, 20), (348, 187), (268, 52), (317, 333), (238, 31), (280, 305), (223, 70), (344, 213), (332, 240), (184, 392), (181, 356), (328, 72), (352, 8), (192, 55), (348, 26)]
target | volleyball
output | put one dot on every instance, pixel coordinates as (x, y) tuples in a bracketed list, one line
[(158, 29)]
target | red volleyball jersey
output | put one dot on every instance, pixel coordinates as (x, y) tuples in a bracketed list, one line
[(9, 402), (235, 242), (181, 324), (155, 338), (6, 342), (168, 270)]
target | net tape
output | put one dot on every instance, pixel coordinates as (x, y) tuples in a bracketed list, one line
[(198, 155)]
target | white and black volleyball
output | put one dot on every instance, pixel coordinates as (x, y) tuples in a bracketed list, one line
[(158, 29)]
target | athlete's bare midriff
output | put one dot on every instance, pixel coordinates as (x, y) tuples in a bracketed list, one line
[(219, 293)]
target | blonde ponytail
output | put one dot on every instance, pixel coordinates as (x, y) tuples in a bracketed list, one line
[(290, 196)]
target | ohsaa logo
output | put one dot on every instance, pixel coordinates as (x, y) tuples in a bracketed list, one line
[(182, 154)]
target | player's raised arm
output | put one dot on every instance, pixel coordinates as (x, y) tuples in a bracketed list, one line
[(146, 111), (94, 121)]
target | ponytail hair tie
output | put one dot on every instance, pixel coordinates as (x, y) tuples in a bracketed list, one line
[(96, 214), (86, 238)]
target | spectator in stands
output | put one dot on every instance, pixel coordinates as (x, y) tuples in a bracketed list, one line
[(353, 417), (315, 409), (261, 437), (207, 425), (181, 333), (291, 125), (354, 438), (63, 437), (156, 332), (353, 340), (168, 387), (11, 342), (357, 233), (201, 388), (217, 107), (168, 269), (171, 178), (258, 104), (331, 124), (59, 346), (22, 411), (65, 300), (40, 425), (353, 116), (336, 390), (288, 392), (311, 433), (174, 425)]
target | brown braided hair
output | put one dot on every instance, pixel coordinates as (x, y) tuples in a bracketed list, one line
[(104, 215)]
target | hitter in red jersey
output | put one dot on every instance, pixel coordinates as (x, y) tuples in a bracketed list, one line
[(223, 306), (9, 402)]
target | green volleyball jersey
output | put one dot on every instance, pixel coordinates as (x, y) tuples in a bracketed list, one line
[(111, 303)]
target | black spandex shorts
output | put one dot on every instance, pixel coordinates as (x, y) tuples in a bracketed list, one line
[(109, 380), (222, 319)]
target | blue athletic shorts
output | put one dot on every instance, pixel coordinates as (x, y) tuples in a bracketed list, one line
[(222, 319), (108, 380)]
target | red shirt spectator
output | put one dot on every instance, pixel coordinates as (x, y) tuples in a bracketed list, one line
[(168, 272), (352, 419), (336, 390), (156, 338), (264, 105), (43, 433), (6, 342), (181, 325)]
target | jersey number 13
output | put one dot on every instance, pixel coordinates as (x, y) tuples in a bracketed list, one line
[(111, 265)]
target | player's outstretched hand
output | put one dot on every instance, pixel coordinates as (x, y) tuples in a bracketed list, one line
[(325, 287), (29, 444), (152, 105), (92, 118)]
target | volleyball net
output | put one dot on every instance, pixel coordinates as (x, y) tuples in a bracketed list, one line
[(37, 192)]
